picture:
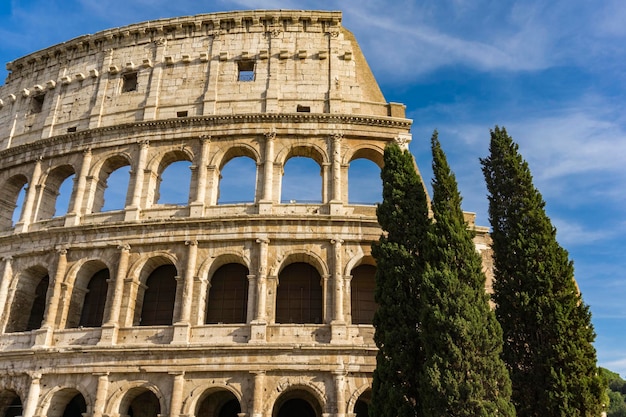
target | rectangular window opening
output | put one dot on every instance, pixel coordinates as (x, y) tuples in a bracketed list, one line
[(36, 103), (181, 113), (303, 109), (71, 129), (129, 82), (246, 70)]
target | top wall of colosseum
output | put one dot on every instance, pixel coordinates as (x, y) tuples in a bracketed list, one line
[(197, 66)]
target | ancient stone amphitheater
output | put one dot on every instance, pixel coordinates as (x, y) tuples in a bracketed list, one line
[(203, 308)]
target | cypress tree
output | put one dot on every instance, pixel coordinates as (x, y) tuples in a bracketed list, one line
[(403, 216), (547, 328), (463, 374)]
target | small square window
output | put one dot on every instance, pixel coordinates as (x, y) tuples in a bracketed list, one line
[(129, 82), (36, 103), (246, 70)]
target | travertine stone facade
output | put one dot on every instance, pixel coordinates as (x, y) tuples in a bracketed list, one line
[(202, 309)]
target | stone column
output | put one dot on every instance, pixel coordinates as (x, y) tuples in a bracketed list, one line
[(338, 323), (33, 396), (111, 325), (4, 292), (176, 400), (154, 89), (265, 205), (336, 163), (132, 212), (251, 314), (31, 193), (257, 399), (197, 207), (44, 336), (340, 392), (101, 394), (182, 327), (73, 217), (259, 324)]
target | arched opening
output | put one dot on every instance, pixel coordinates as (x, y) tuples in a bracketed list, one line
[(362, 288), (10, 404), (95, 299), (364, 183), (228, 296), (112, 188), (159, 296), (299, 295), (67, 402), (29, 300), (140, 403), (174, 184), (361, 407), (302, 181), (297, 402), (237, 181), (77, 407), (220, 403), (57, 193), (35, 318), (12, 197)]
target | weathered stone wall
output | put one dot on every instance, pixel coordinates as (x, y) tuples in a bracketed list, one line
[(267, 85)]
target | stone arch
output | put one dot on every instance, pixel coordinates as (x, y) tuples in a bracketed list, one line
[(301, 288), (157, 166), (100, 172), (298, 387), (28, 295), (362, 258), (227, 294), (9, 194), (307, 150), (56, 402), (51, 183), (11, 404), (225, 154), (305, 256), (139, 273), (368, 151), (197, 398), (363, 393), (85, 278), (127, 391)]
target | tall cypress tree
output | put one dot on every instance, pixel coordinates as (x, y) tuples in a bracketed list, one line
[(547, 328), (403, 216), (463, 374)]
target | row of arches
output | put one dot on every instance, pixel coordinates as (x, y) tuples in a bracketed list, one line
[(117, 181), (146, 400), (152, 300)]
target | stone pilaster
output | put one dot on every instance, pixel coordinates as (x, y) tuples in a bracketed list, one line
[(7, 273), (31, 194), (197, 207), (43, 337), (33, 396), (132, 212), (73, 217), (111, 325), (182, 327)]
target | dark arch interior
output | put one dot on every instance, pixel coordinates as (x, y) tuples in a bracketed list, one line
[(228, 295), (10, 404), (361, 408), (219, 404), (76, 407), (95, 299), (296, 407), (158, 301), (299, 295), (144, 405), (362, 294), (39, 305)]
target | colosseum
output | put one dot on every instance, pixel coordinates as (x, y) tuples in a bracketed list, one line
[(208, 309)]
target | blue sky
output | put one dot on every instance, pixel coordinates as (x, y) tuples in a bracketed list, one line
[(552, 72)]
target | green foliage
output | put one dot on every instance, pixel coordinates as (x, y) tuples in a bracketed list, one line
[(403, 215), (463, 374), (615, 393), (547, 328)]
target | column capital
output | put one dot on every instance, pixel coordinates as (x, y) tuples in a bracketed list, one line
[(7, 258), (403, 140), (123, 247), (61, 249), (263, 240), (270, 135), (336, 241), (191, 243), (205, 138), (144, 143), (336, 136)]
